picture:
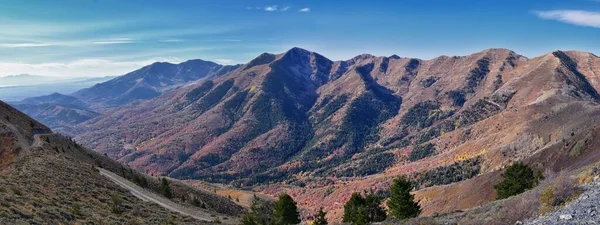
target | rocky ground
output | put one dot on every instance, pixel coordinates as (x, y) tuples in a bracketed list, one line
[(584, 210)]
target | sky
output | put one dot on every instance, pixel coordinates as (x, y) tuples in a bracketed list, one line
[(112, 37)]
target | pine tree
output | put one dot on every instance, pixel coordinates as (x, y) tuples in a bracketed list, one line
[(258, 214), (401, 202), (518, 178), (361, 210), (286, 211), (165, 190), (373, 209), (352, 208), (320, 218)]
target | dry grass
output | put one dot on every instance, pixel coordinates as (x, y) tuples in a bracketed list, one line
[(559, 192), (553, 192)]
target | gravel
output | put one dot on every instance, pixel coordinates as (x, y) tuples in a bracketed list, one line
[(584, 210)]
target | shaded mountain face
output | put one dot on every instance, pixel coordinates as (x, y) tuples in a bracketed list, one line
[(57, 116), (47, 178), (56, 110), (148, 82), (54, 98), (299, 118)]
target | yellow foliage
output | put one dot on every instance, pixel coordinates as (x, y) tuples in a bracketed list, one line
[(466, 156), (547, 200)]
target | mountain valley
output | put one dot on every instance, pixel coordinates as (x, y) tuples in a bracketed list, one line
[(320, 130)]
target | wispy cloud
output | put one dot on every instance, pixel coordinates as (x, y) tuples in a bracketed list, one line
[(114, 41), (284, 9), (224, 61), (170, 40), (304, 10), (576, 17), (25, 45), (87, 67)]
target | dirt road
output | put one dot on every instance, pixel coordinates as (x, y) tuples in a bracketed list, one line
[(149, 196)]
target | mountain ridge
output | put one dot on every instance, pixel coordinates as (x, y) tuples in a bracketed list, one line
[(283, 122)]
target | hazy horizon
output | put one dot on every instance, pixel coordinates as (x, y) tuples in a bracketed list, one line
[(104, 38)]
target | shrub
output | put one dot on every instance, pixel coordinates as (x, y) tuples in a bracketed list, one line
[(457, 97), (428, 82), (518, 178), (171, 220), (76, 209), (456, 172), (165, 189), (402, 203), (320, 218), (422, 151), (117, 205), (562, 190)]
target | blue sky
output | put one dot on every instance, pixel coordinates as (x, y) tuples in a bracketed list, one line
[(112, 37)]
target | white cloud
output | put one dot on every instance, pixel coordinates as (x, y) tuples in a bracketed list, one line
[(25, 45), (304, 10), (170, 40), (114, 41), (224, 61), (83, 67), (271, 8), (576, 17)]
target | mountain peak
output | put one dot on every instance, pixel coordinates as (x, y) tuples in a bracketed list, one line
[(297, 52)]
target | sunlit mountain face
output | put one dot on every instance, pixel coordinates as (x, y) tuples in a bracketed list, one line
[(299, 112)]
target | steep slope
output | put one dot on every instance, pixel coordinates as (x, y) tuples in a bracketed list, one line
[(321, 130), (261, 100), (148, 82), (46, 178)]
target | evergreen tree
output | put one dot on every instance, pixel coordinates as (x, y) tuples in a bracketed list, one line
[(258, 214), (401, 202), (286, 211), (518, 178), (352, 208), (373, 209), (361, 210), (165, 189), (320, 218)]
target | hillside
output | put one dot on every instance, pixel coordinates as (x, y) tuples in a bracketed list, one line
[(322, 129), (47, 178)]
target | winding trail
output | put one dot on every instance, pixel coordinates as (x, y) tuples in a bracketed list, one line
[(149, 196)]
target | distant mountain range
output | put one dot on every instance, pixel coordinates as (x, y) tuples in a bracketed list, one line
[(148, 82), (62, 111), (19, 87)]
